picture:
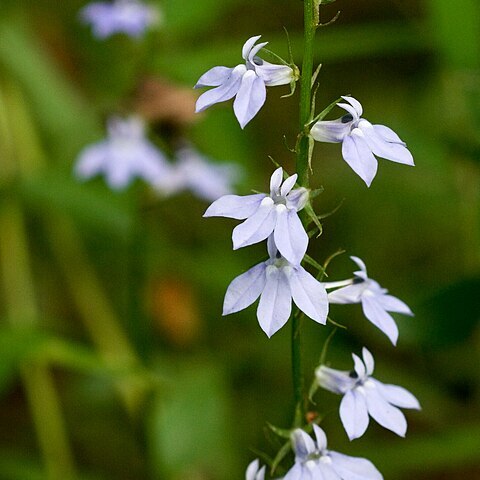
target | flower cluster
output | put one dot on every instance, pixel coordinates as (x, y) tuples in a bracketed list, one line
[(281, 278), (127, 154)]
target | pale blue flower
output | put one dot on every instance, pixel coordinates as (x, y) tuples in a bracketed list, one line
[(131, 17), (313, 461), (206, 179), (123, 155), (265, 214), (364, 396), (254, 472), (361, 140), (375, 300), (277, 282), (246, 82)]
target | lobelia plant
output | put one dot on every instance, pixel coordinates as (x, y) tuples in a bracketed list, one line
[(274, 217)]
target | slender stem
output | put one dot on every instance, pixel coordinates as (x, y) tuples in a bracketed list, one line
[(302, 168), (306, 91)]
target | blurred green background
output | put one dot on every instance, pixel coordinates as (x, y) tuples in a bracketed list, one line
[(114, 357)]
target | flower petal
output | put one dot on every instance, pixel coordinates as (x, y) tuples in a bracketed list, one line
[(275, 302), (355, 104), (247, 46), (384, 413), (330, 131), (303, 444), (91, 160), (354, 468), (368, 360), (290, 236), (353, 413), (347, 295), (250, 97), (297, 198), (358, 155), (309, 295), (235, 206), (350, 109), (224, 92), (273, 75), (276, 181), (295, 473), (396, 152), (336, 381), (394, 304), (288, 184), (359, 366), (325, 469), (380, 318), (254, 51), (361, 264), (252, 470), (396, 395), (321, 437), (245, 289), (388, 134), (257, 227), (214, 77)]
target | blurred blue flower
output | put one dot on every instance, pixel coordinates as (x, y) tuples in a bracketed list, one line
[(361, 140), (246, 82), (313, 461), (265, 214), (276, 282), (207, 180), (131, 17), (124, 155), (364, 396)]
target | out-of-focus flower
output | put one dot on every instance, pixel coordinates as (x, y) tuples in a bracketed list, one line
[(124, 155), (254, 472), (313, 461), (246, 82), (364, 396), (265, 214), (206, 179), (276, 282), (376, 302), (361, 140), (131, 17)]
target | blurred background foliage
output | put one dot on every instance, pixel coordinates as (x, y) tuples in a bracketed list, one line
[(115, 361)]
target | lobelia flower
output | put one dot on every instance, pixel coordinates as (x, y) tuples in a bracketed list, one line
[(131, 17), (204, 178), (314, 462), (247, 82), (364, 396), (276, 282), (125, 154), (265, 214), (376, 303), (254, 472), (361, 140)]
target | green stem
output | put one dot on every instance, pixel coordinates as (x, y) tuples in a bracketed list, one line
[(302, 168)]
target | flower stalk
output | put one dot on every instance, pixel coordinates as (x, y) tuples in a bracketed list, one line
[(302, 168)]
